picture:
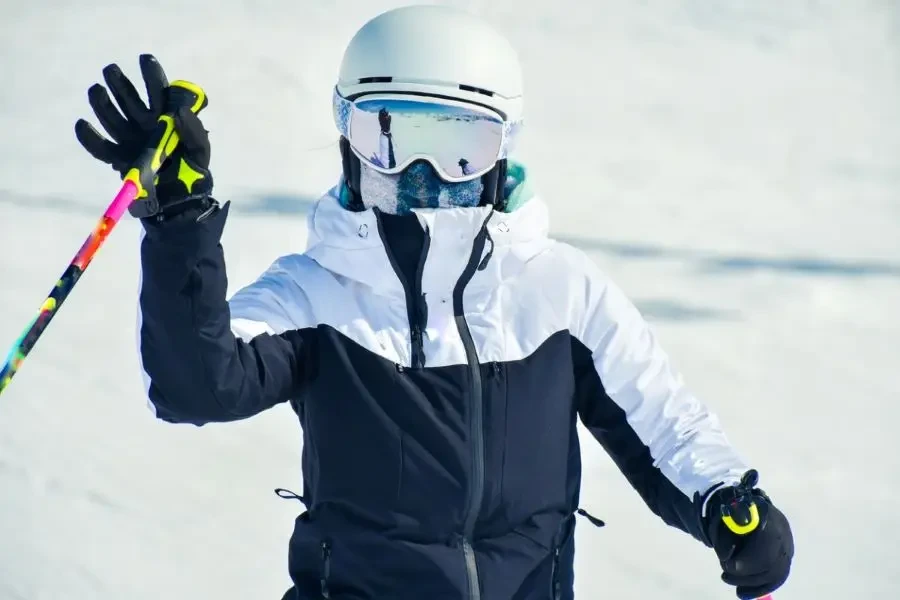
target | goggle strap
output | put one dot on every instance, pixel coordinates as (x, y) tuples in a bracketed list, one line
[(492, 185)]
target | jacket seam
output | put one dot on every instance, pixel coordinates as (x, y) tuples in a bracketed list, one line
[(654, 460)]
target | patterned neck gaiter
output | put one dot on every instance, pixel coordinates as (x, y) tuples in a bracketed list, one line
[(416, 187)]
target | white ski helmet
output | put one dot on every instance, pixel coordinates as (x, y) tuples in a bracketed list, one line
[(436, 51)]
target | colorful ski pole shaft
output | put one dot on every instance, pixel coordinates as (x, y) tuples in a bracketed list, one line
[(135, 184), (66, 282)]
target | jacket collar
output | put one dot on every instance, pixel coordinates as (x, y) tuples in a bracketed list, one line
[(348, 243)]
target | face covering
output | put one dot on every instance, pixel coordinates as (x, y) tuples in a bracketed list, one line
[(416, 187)]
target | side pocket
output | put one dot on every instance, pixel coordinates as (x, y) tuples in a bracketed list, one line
[(326, 569), (563, 537), (555, 587)]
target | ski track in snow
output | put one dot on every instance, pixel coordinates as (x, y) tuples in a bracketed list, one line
[(733, 165)]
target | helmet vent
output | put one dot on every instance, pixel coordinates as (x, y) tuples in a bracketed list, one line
[(375, 79), (477, 90)]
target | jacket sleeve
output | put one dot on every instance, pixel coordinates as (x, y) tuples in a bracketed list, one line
[(668, 445), (196, 370)]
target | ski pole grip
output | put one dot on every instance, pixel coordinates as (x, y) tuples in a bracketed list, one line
[(740, 513), (742, 518), (165, 138)]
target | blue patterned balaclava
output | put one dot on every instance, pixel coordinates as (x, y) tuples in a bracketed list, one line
[(418, 186)]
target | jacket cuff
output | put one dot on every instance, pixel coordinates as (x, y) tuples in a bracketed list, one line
[(194, 230)]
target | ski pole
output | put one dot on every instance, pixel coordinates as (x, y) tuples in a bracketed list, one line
[(741, 514), (137, 180)]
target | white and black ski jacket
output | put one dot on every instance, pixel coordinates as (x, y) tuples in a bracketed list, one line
[(438, 364)]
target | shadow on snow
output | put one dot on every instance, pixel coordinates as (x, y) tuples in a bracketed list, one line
[(286, 204)]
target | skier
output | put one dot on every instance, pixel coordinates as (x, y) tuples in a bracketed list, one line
[(385, 157), (438, 359)]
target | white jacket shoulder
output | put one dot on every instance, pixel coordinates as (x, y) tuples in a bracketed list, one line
[(276, 301)]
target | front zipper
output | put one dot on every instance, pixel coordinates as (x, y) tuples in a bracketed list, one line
[(471, 569), (416, 309), (416, 306), (326, 569), (476, 414)]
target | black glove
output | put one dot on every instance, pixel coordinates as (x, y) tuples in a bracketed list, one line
[(758, 562), (184, 180)]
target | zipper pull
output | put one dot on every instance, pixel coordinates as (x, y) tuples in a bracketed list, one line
[(594, 520), (289, 495)]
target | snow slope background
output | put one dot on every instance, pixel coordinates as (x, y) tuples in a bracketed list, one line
[(734, 165)]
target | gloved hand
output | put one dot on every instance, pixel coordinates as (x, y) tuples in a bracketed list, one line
[(757, 562), (184, 180)]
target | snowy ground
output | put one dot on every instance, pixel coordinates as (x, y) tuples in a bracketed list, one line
[(733, 164)]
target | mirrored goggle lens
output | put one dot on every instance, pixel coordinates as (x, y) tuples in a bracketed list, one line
[(461, 141)]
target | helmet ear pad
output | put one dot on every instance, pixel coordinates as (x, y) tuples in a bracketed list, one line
[(493, 182)]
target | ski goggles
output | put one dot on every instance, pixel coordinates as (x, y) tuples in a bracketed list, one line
[(462, 141)]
